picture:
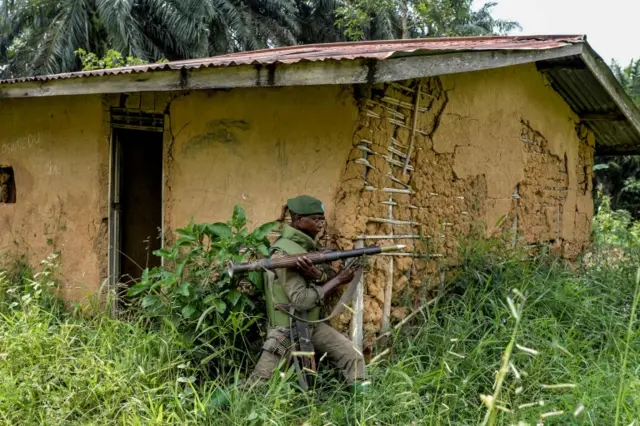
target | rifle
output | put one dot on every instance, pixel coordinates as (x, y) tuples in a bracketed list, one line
[(315, 258)]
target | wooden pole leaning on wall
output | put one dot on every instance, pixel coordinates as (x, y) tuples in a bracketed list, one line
[(388, 287), (357, 319), (514, 229), (413, 128), (357, 334)]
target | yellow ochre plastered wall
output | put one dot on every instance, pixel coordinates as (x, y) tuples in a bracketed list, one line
[(58, 148), (252, 147), (256, 148)]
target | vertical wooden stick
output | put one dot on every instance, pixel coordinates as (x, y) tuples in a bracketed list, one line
[(388, 288), (413, 128), (559, 232), (514, 230), (364, 173), (358, 308)]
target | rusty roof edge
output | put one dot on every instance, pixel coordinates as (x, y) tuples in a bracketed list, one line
[(569, 40), (566, 38), (605, 77), (419, 42), (165, 78)]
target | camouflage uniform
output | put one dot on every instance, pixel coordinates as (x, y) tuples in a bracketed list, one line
[(291, 288)]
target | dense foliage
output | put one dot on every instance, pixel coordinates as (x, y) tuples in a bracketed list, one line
[(614, 228), (570, 335), (41, 36), (619, 176), (112, 59), (387, 19), (215, 314)]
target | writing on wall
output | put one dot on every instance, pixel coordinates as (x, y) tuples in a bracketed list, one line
[(22, 144), (52, 169)]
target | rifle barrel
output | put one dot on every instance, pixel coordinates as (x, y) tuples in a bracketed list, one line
[(315, 258)]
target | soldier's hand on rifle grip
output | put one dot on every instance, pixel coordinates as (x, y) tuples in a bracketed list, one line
[(345, 275), (308, 269)]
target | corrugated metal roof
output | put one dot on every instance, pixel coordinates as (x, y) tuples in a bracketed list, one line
[(335, 51), (576, 73), (580, 88)]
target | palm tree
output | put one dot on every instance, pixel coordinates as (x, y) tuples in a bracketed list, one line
[(629, 77), (40, 36), (317, 21), (384, 19), (240, 25)]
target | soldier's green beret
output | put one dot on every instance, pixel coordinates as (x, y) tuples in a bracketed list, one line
[(305, 205)]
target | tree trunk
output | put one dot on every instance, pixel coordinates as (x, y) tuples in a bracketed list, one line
[(404, 11)]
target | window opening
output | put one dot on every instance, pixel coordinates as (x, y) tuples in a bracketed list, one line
[(7, 185)]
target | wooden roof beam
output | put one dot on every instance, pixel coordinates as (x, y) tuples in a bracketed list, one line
[(603, 117)]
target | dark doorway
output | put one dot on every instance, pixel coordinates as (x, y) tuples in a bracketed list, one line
[(139, 201)]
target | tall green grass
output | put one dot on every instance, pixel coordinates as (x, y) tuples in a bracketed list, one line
[(57, 368)]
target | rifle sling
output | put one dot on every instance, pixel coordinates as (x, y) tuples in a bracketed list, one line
[(304, 364)]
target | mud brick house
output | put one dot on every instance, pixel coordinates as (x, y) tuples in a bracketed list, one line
[(413, 141)]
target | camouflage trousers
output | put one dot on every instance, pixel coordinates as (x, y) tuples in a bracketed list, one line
[(325, 339)]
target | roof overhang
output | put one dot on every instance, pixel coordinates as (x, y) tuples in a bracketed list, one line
[(575, 71), (589, 87)]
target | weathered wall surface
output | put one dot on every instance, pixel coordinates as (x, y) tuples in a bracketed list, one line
[(511, 126), (255, 147), (58, 148), (489, 151)]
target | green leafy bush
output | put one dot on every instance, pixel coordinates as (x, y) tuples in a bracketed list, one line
[(22, 289), (194, 293), (614, 227), (113, 59)]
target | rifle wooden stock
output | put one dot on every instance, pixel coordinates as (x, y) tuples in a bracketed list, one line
[(315, 258)]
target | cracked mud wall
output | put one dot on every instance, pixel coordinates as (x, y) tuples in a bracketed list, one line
[(512, 127), (424, 206), (58, 148), (488, 147)]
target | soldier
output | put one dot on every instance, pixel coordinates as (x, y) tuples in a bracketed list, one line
[(301, 291)]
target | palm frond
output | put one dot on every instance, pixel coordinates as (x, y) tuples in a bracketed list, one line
[(124, 31), (386, 25), (183, 23), (55, 52)]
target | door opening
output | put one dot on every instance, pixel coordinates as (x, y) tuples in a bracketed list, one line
[(136, 228)]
